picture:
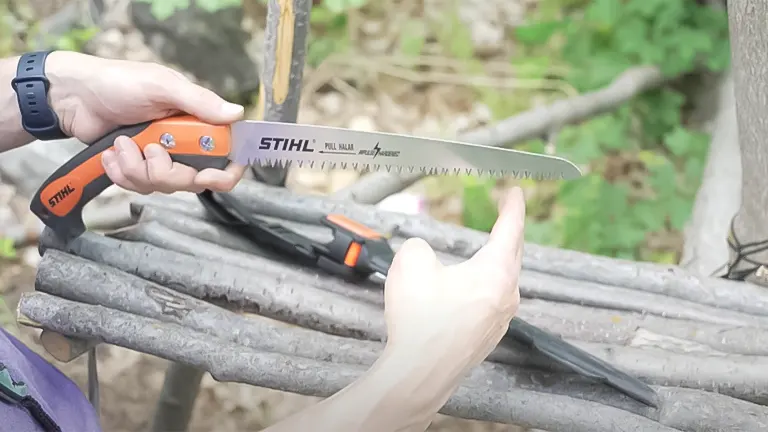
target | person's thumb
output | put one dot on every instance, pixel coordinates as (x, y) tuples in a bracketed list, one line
[(415, 257), (506, 239), (203, 103)]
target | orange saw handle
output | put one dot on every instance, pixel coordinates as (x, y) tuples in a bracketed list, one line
[(60, 200)]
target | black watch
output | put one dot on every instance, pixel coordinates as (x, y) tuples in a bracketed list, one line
[(31, 87)]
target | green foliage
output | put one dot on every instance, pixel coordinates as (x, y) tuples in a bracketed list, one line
[(7, 249), (19, 32), (479, 211), (329, 22), (454, 36), (75, 39), (164, 9), (606, 37), (644, 164), (412, 38)]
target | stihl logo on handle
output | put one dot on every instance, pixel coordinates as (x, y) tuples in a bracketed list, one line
[(285, 144), (60, 195)]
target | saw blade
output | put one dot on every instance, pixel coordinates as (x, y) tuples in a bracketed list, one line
[(365, 167), (324, 147)]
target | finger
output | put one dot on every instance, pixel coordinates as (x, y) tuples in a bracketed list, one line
[(415, 255), (132, 163), (113, 171), (506, 239), (193, 99), (165, 175), (236, 170), (220, 180)]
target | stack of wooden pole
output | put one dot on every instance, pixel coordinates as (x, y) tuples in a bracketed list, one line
[(179, 286)]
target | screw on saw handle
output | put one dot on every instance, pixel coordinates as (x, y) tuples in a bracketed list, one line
[(60, 200)]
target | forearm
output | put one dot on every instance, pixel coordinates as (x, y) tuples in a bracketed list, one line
[(12, 135), (402, 392)]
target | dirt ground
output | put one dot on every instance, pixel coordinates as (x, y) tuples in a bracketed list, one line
[(130, 384)]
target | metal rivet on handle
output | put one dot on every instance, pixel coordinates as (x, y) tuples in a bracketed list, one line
[(206, 143), (167, 140)]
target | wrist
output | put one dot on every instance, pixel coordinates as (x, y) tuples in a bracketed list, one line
[(67, 73), (12, 135), (408, 384), (464, 339), (61, 71)]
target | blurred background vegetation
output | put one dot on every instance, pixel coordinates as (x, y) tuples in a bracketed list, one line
[(643, 162)]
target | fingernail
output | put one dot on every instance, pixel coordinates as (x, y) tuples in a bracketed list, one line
[(231, 109)]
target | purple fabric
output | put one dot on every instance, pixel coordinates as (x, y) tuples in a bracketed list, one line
[(58, 395)]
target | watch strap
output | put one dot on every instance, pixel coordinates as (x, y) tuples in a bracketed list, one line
[(31, 87)]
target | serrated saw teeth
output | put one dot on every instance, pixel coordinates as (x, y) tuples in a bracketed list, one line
[(397, 169)]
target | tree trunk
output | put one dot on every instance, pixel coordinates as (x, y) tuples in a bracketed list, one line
[(285, 46), (749, 46)]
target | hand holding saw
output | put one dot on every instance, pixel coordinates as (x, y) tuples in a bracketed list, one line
[(60, 200)]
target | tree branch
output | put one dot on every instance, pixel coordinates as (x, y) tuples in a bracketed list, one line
[(535, 123), (258, 289), (717, 200), (285, 47), (156, 233), (749, 52), (570, 321), (533, 284), (61, 274), (177, 397), (665, 280), (607, 326), (475, 399), (161, 227)]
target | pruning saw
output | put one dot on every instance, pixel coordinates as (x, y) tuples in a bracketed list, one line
[(190, 141)]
